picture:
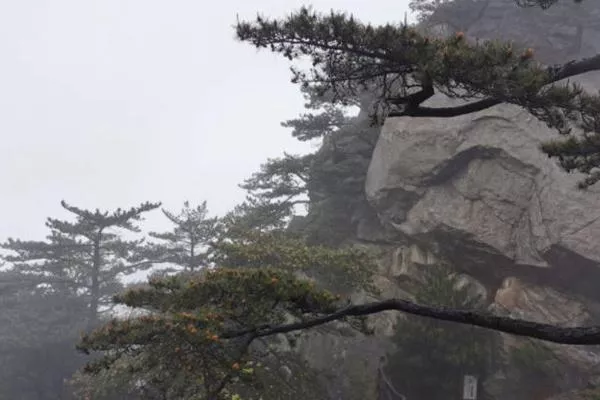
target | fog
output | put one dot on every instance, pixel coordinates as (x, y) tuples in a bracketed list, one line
[(111, 103)]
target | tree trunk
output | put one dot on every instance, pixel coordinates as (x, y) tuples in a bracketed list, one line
[(95, 288), (192, 255)]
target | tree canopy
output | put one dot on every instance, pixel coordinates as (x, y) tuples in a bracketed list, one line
[(403, 68), (183, 344), (187, 244), (38, 330), (85, 257)]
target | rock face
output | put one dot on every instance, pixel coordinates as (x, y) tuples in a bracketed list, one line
[(479, 181), (563, 367), (543, 304), (477, 191), (565, 31)]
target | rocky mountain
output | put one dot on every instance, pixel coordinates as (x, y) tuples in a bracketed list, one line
[(476, 191)]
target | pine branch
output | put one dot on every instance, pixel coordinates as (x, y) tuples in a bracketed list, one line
[(349, 58), (552, 333), (555, 74)]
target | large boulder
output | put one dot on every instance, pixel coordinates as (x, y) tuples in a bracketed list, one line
[(479, 182), (477, 191)]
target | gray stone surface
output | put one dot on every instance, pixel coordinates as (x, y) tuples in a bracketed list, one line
[(482, 175), (473, 186), (478, 185)]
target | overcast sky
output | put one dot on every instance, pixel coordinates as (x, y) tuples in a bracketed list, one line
[(110, 103)]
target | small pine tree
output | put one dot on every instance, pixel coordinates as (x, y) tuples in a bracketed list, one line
[(280, 184), (187, 245)]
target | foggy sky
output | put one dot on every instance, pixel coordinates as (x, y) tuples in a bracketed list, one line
[(110, 103)]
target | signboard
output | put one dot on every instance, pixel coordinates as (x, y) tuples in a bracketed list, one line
[(470, 388)]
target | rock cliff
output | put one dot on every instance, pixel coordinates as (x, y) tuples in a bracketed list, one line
[(477, 192)]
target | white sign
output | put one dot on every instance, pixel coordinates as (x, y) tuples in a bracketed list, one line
[(470, 388)]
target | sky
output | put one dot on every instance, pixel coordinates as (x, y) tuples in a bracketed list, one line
[(111, 103)]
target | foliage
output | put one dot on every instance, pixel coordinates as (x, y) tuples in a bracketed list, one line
[(316, 125), (187, 244), (38, 332), (53, 290), (280, 178), (255, 214), (344, 269), (432, 356), (185, 347), (337, 183), (82, 258), (405, 68), (109, 384), (186, 332), (280, 184), (324, 118), (284, 183)]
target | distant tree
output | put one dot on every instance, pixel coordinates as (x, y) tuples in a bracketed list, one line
[(281, 190), (322, 119), (187, 245), (281, 183), (404, 69), (323, 184), (85, 257), (431, 357), (255, 214), (38, 333)]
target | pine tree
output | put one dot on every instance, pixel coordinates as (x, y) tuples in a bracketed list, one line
[(85, 257), (326, 182), (281, 182), (187, 245), (403, 69), (322, 119), (181, 346), (254, 214), (38, 333), (280, 190)]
